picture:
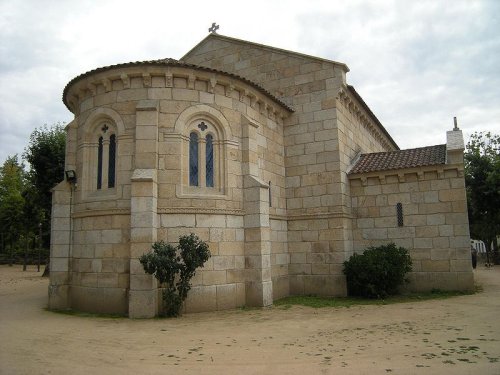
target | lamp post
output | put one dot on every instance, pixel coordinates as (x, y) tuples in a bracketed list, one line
[(25, 262), (39, 245)]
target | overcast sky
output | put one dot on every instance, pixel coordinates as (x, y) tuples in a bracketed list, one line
[(416, 63)]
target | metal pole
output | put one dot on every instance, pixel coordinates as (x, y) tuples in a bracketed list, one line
[(26, 252), (39, 245)]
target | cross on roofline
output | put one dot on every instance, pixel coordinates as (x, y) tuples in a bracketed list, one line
[(213, 29)]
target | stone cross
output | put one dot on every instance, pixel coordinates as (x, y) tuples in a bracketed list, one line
[(105, 128), (214, 28)]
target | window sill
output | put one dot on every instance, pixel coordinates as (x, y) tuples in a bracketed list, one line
[(200, 192)]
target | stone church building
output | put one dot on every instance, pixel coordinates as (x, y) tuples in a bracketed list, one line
[(268, 155)]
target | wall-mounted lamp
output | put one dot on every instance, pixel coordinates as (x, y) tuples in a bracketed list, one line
[(71, 176)]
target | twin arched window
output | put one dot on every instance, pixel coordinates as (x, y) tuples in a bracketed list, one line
[(106, 160), (197, 160)]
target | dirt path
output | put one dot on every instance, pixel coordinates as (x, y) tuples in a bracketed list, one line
[(460, 335)]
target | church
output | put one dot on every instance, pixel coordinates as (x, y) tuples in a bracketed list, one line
[(270, 156)]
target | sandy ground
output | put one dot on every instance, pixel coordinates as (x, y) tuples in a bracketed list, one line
[(460, 335)]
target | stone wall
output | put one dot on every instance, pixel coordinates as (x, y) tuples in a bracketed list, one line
[(152, 110), (319, 139), (435, 225)]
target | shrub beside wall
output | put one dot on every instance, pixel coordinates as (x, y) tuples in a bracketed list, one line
[(378, 271)]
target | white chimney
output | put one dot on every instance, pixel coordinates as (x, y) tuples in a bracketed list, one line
[(454, 145)]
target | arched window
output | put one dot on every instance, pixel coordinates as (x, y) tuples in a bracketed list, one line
[(209, 161), (100, 172), (106, 160), (203, 156), (193, 159)]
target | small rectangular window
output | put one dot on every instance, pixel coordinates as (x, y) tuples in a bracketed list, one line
[(399, 213), (270, 195)]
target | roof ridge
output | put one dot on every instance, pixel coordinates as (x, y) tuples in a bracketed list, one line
[(237, 40), (400, 159)]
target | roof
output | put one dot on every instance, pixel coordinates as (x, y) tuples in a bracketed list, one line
[(173, 63), (281, 50), (411, 158)]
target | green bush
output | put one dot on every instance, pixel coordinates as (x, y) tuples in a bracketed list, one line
[(378, 271), (175, 267)]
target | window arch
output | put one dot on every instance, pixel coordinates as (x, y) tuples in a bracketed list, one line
[(207, 152), (101, 154), (204, 158)]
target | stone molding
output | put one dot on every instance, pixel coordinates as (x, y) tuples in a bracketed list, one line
[(99, 115), (197, 210), (323, 215), (234, 87), (214, 211), (365, 119), (108, 212), (400, 173)]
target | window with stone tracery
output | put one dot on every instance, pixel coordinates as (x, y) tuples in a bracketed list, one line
[(106, 159), (203, 157), (99, 155)]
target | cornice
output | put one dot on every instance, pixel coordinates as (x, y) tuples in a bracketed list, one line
[(210, 211), (352, 101), (86, 85), (108, 212), (440, 169), (198, 210)]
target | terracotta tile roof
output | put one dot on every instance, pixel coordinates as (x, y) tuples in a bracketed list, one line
[(415, 157)]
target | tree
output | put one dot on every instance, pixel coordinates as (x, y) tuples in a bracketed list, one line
[(482, 180), (12, 203), (174, 267), (45, 154)]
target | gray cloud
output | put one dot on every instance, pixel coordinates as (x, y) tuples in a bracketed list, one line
[(416, 64)]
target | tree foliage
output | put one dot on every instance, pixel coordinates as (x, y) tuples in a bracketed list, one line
[(482, 179), (378, 271), (45, 154), (175, 267), (12, 202)]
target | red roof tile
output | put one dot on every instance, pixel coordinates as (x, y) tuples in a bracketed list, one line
[(415, 157)]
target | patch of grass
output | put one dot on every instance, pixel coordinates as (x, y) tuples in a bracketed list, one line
[(86, 314), (318, 302)]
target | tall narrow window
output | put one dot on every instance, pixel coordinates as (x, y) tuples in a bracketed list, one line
[(99, 163), (399, 213), (270, 195), (209, 161), (111, 162), (193, 159)]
